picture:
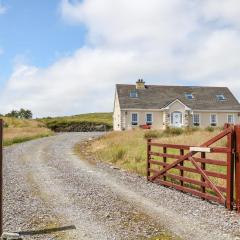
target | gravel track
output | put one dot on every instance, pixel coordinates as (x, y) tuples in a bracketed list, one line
[(47, 185)]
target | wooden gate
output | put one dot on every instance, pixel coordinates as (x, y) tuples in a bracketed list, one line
[(206, 171)]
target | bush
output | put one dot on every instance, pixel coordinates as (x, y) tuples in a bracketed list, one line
[(209, 129), (152, 134), (172, 132)]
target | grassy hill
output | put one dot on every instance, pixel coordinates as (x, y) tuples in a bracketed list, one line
[(81, 122), (20, 130)]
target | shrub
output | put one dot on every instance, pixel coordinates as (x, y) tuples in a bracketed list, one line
[(209, 129), (151, 134), (172, 132)]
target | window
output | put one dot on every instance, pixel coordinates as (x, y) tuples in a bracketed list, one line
[(230, 118), (213, 120), (189, 96), (134, 119), (149, 118), (133, 94), (220, 97), (196, 119)]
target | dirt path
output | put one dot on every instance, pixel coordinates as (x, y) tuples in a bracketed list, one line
[(48, 186)]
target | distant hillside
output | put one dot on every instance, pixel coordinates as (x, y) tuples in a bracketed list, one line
[(21, 130), (80, 123)]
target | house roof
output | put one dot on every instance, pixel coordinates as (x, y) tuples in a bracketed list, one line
[(159, 96)]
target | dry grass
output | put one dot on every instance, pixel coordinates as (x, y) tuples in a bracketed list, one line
[(127, 149), (18, 130)]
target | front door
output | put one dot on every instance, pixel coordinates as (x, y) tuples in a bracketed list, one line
[(177, 119)]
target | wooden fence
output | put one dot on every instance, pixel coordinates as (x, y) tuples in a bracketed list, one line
[(206, 171)]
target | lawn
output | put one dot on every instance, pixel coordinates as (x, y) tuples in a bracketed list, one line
[(127, 150), (21, 130), (81, 121)]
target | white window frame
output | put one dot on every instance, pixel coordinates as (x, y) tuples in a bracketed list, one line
[(233, 120), (216, 123), (134, 121), (222, 96), (189, 94), (135, 92), (146, 118), (198, 118)]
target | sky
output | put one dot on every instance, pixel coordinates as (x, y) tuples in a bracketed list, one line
[(64, 57)]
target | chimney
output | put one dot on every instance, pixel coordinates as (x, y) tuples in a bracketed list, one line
[(140, 84)]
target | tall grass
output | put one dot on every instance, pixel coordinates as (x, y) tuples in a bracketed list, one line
[(18, 130), (127, 149)]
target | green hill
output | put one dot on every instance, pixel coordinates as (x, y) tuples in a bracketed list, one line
[(82, 122)]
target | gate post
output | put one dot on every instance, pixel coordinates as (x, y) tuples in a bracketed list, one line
[(230, 169), (1, 177), (148, 157), (237, 166)]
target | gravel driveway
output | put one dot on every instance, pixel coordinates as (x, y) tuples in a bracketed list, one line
[(47, 187)]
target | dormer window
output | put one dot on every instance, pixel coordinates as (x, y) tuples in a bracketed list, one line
[(133, 94), (220, 97), (189, 96)]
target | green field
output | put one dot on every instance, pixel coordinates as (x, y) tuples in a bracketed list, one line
[(81, 121)]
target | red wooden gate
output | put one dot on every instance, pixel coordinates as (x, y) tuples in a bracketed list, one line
[(206, 171)]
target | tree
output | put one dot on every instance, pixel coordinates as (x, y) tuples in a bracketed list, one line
[(25, 113), (22, 113), (13, 113)]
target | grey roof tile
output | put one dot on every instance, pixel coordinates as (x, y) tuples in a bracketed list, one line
[(158, 96)]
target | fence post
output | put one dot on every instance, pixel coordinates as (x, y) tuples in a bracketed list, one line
[(230, 169), (164, 160), (181, 164), (203, 166), (1, 177), (148, 157), (237, 166)]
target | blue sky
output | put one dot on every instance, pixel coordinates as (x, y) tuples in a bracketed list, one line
[(65, 57), (33, 32)]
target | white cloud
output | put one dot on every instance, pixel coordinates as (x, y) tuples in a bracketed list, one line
[(224, 10), (165, 42)]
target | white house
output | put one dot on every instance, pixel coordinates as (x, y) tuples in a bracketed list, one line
[(174, 106)]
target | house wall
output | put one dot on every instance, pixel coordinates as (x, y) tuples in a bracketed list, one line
[(127, 119), (221, 118), (116, 114)]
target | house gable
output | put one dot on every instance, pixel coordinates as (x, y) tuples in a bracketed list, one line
[(176, 104)]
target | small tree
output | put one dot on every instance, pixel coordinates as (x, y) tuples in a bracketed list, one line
[(25, 114), (22, 113), (13, 113), (28, 114)]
